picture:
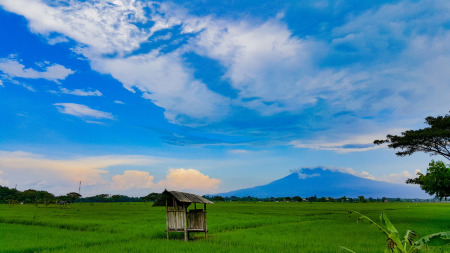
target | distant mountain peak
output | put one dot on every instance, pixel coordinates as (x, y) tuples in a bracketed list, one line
[(324, 182)]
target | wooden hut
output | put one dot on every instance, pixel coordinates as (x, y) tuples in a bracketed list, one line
[(178, 218)]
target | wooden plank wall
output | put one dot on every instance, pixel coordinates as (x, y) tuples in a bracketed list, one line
[(196, 220), (176, 219)]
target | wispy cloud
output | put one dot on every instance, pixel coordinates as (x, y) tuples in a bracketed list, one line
[(82, 111), (13, 68), (81, 92), (344, 144)]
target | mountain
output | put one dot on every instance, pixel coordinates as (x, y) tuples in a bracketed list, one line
[(327, 183)]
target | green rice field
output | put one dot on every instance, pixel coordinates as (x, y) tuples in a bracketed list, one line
[(233, 227)]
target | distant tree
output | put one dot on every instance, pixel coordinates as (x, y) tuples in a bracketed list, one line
[(362, 199), (152, 197), (436, 181), (297, 199), (217, 198), (116, 197), (434, 139), (73, 196), (312, 199), (103, 197)]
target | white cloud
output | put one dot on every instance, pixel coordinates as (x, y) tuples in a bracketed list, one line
[(397, 178), (119, 102), (106, 26), (59, 176), (28, 169), (344, 143), (56, 40), (264, 62), (400, 51), (305, 176), (239, 151), (13, 68), (132, 179), (80, 92), (82, 111), (189, 179), (168, 83)]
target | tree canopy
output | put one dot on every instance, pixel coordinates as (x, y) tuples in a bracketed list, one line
[(73, 196), (435, 181), (434, 139)]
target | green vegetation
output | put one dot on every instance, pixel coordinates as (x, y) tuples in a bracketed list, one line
[(407, 243), (233, 227), (435, 181), (434, 140)]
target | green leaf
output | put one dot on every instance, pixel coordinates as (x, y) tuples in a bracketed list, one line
[(437, 239), (385, 221), (344, 249)]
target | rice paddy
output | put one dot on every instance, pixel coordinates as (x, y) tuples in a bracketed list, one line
[(232, 226)]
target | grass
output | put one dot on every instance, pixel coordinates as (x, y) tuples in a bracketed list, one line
[(233, 227)]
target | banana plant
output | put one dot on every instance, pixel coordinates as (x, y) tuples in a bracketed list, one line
[(406, 244)]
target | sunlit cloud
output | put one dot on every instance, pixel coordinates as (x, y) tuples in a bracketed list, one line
[(132, 179), (189, 179), (26, 168), (60, 176)]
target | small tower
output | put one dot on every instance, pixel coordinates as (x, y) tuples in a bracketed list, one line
[(178, 218)]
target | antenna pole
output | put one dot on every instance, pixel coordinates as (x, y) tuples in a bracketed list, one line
[(79, 188)]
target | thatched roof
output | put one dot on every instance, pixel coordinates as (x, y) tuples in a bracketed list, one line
[(180, 197)]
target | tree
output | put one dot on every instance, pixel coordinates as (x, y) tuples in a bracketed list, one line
[(152, 197), (116, 197), (362, 199), (434, 139), (435, 181), (297, 199), (103, 197), (73, 196)]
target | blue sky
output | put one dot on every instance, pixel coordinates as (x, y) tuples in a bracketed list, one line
[(206, 96)]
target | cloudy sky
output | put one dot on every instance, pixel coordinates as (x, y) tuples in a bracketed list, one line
[(207, 96)]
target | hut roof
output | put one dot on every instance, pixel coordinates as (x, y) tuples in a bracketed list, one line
[(182, 197)]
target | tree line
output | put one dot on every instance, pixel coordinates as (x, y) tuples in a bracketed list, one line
[(359, 199), (30, 196), (14, 196)]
